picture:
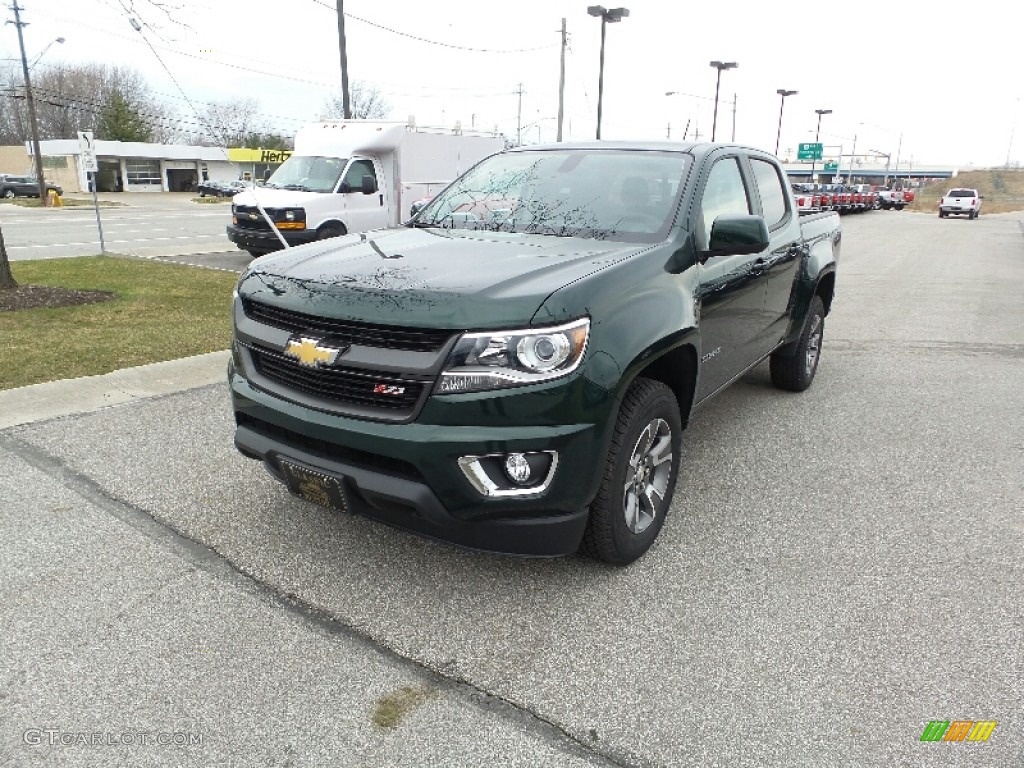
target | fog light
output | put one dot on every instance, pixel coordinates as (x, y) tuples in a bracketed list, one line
[(517, 468)]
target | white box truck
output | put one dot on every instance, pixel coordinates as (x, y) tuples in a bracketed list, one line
[(351, 176)]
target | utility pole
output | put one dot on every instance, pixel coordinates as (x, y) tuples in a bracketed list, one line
[(561, 86), (734, 118), (346, 104), (519, 119), (31, 105)]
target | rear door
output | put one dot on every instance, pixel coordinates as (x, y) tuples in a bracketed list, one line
[(781, 260)]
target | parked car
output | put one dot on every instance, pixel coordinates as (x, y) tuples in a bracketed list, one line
[(513, 369), (220, 188), (23, 186), (966, 202), (807, 200)]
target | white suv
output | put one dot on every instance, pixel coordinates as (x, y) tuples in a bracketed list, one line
[(965, 201)]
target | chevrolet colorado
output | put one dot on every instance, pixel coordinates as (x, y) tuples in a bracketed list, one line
[(513, 369)]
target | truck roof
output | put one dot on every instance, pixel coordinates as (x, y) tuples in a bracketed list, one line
[(698, 149)]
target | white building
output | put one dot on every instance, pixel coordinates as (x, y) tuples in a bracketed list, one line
[(135, 166)]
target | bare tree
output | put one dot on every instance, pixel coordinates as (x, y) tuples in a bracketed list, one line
[(72, 98), (365, 102)]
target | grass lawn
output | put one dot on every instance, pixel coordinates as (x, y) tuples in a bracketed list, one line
[(161, 312)]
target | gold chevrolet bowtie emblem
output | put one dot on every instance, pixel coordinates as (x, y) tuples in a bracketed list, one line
[(309, 352)]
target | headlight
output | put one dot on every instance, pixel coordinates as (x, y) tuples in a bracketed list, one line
[(481, 361)]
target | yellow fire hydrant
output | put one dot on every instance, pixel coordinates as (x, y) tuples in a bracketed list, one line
[(54, 200)]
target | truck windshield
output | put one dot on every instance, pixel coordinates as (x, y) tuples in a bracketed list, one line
[(309, 173), (599, 193)]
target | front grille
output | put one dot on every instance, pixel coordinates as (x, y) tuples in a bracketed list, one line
[(328, 450), (244, 222), (352, 386), (345, 332)]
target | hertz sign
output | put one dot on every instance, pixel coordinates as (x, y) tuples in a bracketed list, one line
[(244, 155)]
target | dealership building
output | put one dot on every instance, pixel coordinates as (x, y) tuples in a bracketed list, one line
[(134, 166)]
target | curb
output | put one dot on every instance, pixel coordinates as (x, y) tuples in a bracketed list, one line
[(68, 397)]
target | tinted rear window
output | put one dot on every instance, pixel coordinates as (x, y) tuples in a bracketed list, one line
[(962, 193)]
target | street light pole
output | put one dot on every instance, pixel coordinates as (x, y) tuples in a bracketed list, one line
[(31, 105), (783, 93), (817, 135), (719, 65), (607, 16)]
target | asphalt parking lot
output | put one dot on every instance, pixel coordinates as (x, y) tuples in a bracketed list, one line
[(840, 567)]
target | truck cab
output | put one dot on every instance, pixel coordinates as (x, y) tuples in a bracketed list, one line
[(347, 177)]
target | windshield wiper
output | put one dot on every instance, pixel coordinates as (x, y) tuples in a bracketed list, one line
[(300, 187), (423, 224)]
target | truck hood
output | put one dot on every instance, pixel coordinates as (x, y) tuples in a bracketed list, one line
[(269, 197), (453, 279)]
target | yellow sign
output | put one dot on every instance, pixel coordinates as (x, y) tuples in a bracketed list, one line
[(244, 155)]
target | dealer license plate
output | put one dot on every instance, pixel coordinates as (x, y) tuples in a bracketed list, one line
[(312, 485)]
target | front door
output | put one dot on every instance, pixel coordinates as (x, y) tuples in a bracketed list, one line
[(732, 288), (363, 212)]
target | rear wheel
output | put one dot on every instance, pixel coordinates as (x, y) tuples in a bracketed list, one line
[(793, 367), (8, 193), (899, 207), (639, 475), (256, 253)]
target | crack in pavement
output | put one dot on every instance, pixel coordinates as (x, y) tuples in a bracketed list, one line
[(217, 564)]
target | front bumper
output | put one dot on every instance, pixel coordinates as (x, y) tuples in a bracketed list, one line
[(264, 240), (407, 475)]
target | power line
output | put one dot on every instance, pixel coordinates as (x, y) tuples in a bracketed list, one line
[(434, 42)]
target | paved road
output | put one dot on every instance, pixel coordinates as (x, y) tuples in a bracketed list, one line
[(840, 568), (145, 225)]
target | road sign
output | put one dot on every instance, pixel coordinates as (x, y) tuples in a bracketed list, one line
[(809, 152), (830, 166), (88, 152)]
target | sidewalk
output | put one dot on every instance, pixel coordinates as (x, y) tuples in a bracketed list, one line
[(52, 399)]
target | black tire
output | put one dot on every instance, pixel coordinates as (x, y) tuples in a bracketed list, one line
[(255, 253), (8, 193), (942, 214), (972, 215), (328, 231), (648, 424), (793, 366), (899, 207)]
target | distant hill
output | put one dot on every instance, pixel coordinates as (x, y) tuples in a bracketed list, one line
[(1003, 190)]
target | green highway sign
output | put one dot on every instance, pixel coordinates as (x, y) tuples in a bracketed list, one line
[(832, 166), (809, 152)]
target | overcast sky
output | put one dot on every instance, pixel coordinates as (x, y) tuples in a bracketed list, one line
[(949, 85)]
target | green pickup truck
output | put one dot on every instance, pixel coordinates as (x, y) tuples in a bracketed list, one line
[(512, 370)]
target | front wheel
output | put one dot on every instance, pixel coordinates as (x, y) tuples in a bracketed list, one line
[(8, 193), (330, 230), (639, 475), (793, 367)]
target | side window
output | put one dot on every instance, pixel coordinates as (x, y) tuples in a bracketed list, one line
[(724, 194), (773, 195), (356, 171)]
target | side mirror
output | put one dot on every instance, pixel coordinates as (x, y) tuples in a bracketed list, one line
[(369, 185), (266, 175), (737, 235)]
